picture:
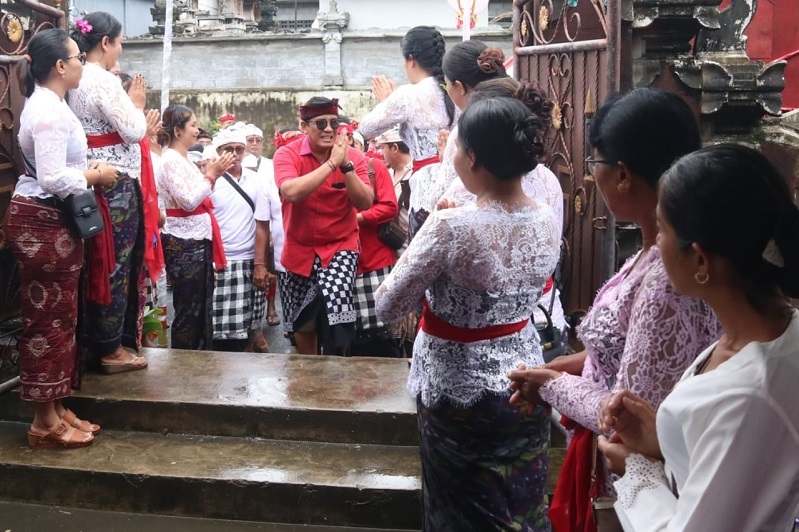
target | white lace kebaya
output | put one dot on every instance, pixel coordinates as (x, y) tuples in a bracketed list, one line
[(103, 106), (181, 186), (478, 266), (730, 438), (53, 141)]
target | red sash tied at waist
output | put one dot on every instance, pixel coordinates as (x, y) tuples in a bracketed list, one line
[(548, 286), (102, 257), (432, 324), (206, 207), (106, 139), (421, 163)]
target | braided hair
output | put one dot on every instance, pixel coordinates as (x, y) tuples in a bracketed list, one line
[(426, 46)]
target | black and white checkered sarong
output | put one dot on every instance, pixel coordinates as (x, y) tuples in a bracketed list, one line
[(335, 283), (238, 305), (365, 287)]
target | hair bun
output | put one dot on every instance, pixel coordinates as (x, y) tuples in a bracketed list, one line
[(490, 60)]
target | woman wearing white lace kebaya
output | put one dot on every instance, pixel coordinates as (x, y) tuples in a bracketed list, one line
[(50, 256), (480, 269), (722, 451), (114, 123), (421, 109), (639, 334), (540, 183)]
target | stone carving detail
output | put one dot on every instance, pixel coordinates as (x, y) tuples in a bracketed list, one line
[(228, 17), (330, 23)]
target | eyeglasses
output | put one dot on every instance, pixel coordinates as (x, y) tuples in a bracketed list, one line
[(591, 163), (255, 140), (230, 149), (322, 124), (80, 57)]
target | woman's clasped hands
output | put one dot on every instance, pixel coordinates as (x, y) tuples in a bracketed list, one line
[(631, 423)]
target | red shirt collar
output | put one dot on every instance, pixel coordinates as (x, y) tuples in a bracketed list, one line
[(305, 147)]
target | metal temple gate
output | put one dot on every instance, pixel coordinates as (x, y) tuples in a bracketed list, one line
[(571, 50), (19, 21)]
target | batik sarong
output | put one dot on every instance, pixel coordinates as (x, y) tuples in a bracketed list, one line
[(483, 467), (50, 260), (106, 327), (238, 306), (190, 266), (332, 289)]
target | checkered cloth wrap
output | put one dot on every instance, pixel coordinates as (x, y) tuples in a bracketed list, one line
[(365, 287), (335, 283), (238, 305)]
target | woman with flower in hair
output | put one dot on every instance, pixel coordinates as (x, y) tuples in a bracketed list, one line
[(421, 109), (53, 146), (115, 124)]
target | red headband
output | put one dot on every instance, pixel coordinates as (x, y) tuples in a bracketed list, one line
[(309, 111)]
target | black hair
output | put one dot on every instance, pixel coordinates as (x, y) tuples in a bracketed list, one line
[(344, 119), (401, 146), (502, 134), (646, 129), (126, 80), (174, 116), (103, 25), (471, 62), (44, 50), (530, 95), (426, 45), (731, 200), (287, 129), (199, 148), (204, 134)]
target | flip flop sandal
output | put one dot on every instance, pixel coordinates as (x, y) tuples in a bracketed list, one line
[(272, 319), (131, 365), (72, 420), (59, 437)]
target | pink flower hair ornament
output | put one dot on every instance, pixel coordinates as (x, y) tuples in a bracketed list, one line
[(83, 26)]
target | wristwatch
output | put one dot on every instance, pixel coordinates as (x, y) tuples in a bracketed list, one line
[(346, 168)]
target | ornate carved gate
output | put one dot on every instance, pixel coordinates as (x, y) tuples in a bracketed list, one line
[(19, 21), (571, 49)]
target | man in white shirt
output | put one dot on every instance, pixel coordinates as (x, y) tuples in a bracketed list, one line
[(238, 307), (398, 159)]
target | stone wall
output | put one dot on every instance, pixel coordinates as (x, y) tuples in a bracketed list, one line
[(264, 78)]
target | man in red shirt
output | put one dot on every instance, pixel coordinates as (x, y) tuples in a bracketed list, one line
[(322, 181)]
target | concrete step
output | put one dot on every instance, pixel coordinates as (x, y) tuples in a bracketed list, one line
[(22, 517), (273, 396), (213, 477)]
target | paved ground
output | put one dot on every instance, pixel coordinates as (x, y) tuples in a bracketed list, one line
[(274, 334)]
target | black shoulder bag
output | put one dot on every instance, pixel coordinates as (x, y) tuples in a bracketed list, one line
[(244, 195), (80, 209), (550, 336), (389, 233)]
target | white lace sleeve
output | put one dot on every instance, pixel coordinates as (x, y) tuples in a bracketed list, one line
[(417, 269), (396, 109), (665, 333), (51, 141), (644, 488), (181, 185), (120, 112)]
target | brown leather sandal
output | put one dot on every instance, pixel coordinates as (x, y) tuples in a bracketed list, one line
[(72, 420), (60, 437)]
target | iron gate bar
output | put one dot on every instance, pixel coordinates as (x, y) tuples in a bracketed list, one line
[(44, 9), (576, 46)]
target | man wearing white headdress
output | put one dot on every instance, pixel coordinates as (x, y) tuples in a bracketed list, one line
[(238, 307)]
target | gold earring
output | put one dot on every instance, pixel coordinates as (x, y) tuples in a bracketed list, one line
[(701, 280)]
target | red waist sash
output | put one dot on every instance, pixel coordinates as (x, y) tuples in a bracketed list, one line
[(102, 257), (106, 139), (421, 163), (206, 207), (432, 324), (548, 286)]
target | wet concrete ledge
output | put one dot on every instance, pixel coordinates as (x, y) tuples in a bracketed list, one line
[(23, 517), (219, 478), (274, 396)]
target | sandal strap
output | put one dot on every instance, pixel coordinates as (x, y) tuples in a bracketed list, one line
[(64, 432)]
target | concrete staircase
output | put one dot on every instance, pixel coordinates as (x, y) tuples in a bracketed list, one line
[(225, 441)]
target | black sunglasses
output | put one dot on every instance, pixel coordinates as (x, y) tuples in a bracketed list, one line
[(322, 124), (80, 57), (230, 149)]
